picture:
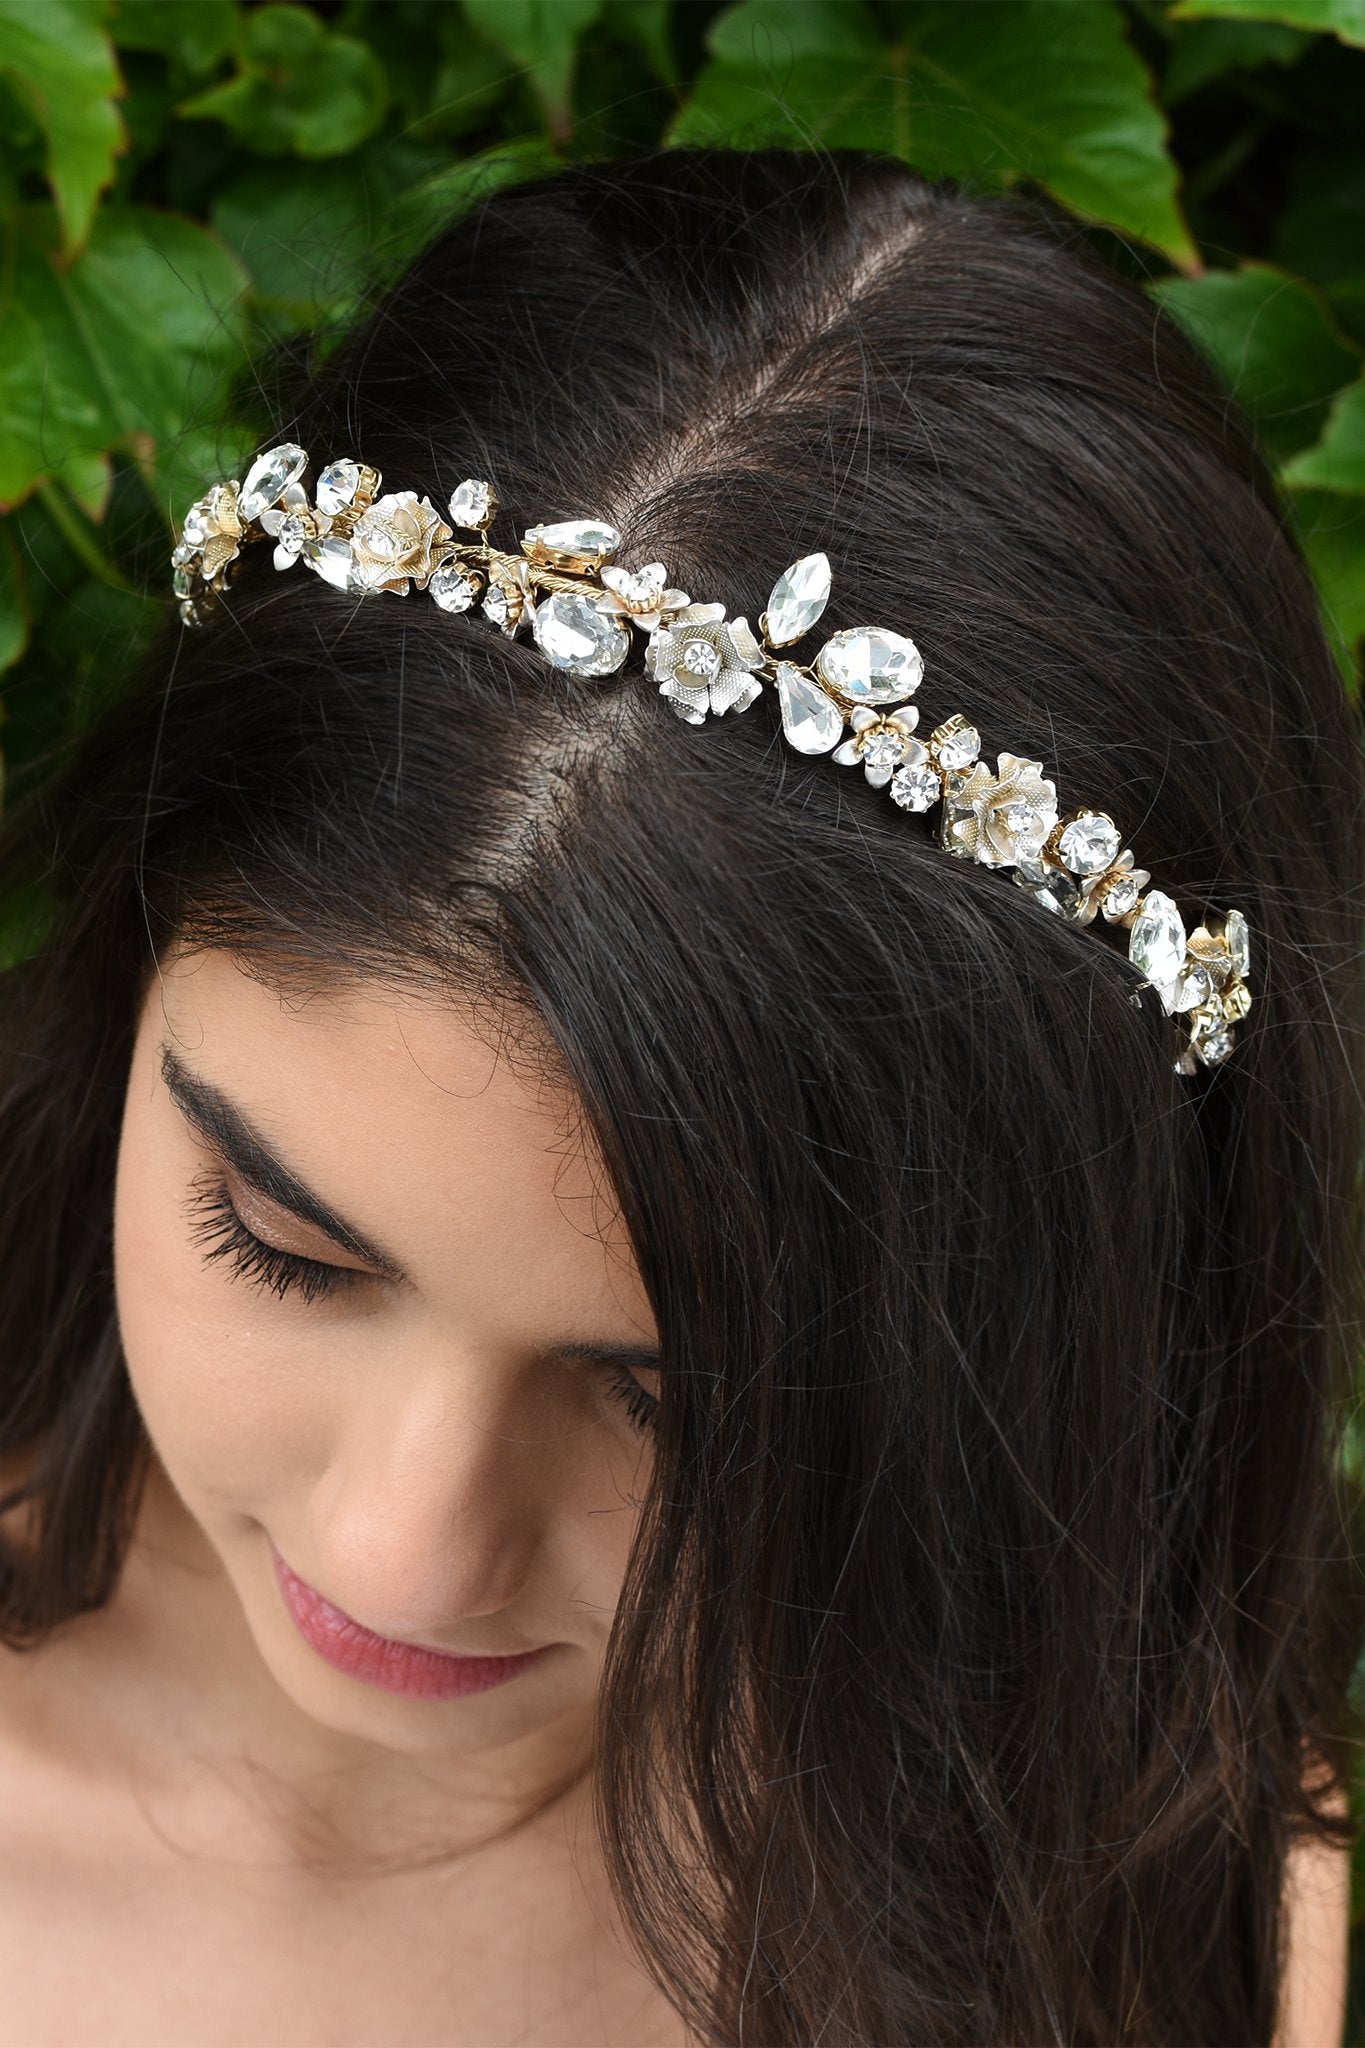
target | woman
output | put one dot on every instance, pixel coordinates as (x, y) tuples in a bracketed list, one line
[(496, 1170)]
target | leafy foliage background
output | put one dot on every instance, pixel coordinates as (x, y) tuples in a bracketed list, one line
[(183, 182)]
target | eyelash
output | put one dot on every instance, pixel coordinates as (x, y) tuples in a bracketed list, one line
[(216, 1224)]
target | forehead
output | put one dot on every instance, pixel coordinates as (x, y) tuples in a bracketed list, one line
[(408, 1112)]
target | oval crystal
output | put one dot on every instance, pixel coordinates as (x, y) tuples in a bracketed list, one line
[(799, 596), (811, 719), (269, 476), (1156, 945), (870, 665), (571, 543), (572, 633)]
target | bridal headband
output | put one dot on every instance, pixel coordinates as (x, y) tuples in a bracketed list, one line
[(580, 606)]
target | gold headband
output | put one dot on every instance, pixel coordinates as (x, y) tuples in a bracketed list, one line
[(580, 607)]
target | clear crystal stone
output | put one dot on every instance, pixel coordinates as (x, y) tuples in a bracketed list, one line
[(1089, 844), (292, 534), (960, 748), (883, 750), (1021, 818), (1214, 1047), (451, 588), (471, 504), (812, 722), (700, 658), (180, 583), (333, 561), (188, 615), (497, 605), (591, 539), (572, 633), (269, 477), (1120, 897), (1238, 941), (194, 531), (870, 665), (917, 788), (798, 597), (1048, 886), (1194, 988), (182, 555), (1156, 944), (337, 487)]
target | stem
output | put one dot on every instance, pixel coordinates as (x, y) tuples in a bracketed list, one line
[(75, 531)]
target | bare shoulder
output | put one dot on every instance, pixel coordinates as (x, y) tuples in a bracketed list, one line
[(1317, 1896)]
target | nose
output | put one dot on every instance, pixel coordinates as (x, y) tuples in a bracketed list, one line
[(434, 1505)]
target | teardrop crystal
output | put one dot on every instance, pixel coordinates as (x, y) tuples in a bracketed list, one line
[(269, 476), (571, 543), (811, 720), (799, 596), (332, 560), (572, 633), (871, 665)]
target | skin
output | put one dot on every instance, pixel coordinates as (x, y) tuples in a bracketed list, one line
[(412, 1446)]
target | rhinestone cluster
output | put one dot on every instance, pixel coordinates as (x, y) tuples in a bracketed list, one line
[(850, 701)]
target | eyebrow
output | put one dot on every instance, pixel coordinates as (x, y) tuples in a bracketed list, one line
[(222, 1125)]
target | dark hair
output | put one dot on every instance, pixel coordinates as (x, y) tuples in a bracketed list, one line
[(996, 1577)]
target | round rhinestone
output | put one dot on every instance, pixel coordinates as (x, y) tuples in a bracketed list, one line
[(1089, 844), (700, 658), (292, 534), (883, 750), (451, 588), (960, 748), (1120, 897), (915, 789)]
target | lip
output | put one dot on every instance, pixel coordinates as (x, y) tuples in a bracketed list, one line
[(379, 1660)]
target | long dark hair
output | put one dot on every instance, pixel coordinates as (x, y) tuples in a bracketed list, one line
[(996, 1576)]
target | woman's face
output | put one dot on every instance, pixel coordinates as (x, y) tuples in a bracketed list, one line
[(410, 1406)]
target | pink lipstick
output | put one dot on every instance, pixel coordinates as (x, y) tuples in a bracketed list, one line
[(379, 1660)]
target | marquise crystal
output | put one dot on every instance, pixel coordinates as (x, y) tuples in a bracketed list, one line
[(268, 478), (798, 597)]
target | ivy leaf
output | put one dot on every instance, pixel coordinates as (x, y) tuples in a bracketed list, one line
[(1274, 342), (299, 90), (646, 24), (541, 37), (999, 91), (196, 34), (77, 377), (1205, 50), (57, 55), (1337, 461), (1332, 530), (1344, 18)]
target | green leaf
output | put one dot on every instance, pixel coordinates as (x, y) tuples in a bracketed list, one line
[(77, 374), (308, 238), (196, 34), (58, 55), (1337, 461), (1332, 530), (764, 32), (1344, 18), (646, 24), (1002, 90), (1274, 342), (14, 618), (298, 90), (1205, 50), (541, 37), (431, 206)]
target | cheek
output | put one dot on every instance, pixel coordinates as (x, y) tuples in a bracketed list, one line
[(210, 1367)]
